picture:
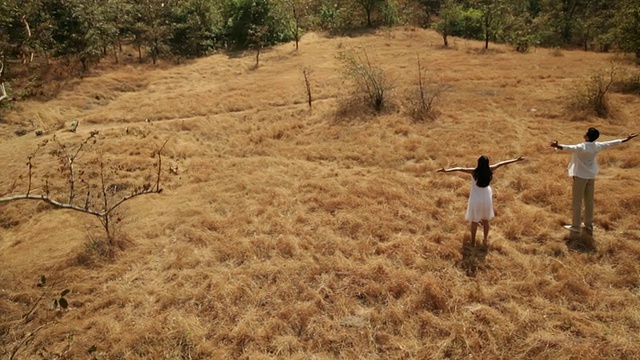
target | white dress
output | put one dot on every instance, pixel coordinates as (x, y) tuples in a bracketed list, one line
[(480, 206)]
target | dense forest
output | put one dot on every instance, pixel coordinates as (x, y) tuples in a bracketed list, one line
[(87, 31)]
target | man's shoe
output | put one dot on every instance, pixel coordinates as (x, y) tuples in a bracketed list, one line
[(571, 228)]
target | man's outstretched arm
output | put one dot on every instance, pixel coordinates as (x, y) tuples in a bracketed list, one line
[(554, 144), (631, 136), (607, 144)]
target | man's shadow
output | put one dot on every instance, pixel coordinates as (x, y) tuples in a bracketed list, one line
[(472, 256), (581, 242)]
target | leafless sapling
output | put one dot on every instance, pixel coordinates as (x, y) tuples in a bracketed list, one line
[(99, 205), (423, 101), (306, 72)]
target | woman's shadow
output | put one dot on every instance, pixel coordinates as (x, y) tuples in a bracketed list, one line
[(472, 256), (581, 241)]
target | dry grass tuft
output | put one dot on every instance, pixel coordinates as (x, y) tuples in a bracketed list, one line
[(289, 232)]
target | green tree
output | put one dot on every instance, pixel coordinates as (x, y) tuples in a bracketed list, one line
[(246, 18), (592, 25), (431, 9), (521, 25), (369, 6), (118, 14), (73, 30), (294, 15), (193, 28), (493, 18), (450, 15), (7, 15), (22, 26), (561, 20), (152, 27), (626, 34)]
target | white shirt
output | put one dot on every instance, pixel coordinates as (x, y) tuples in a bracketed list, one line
[(583, 162)]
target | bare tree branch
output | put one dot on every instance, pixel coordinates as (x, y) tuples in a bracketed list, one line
[(146, 190), (30, 164), (51, 201), (28, 337), (69, 161)]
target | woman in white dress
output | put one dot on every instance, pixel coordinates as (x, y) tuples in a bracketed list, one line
[(480, 205)]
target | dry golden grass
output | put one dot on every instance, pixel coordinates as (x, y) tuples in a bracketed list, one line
[(289, 233)]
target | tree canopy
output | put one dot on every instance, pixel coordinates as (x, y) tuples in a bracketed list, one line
[(89, 30)]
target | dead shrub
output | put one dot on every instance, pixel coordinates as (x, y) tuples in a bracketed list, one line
[(371, 83), (627, 83), (591, 97)]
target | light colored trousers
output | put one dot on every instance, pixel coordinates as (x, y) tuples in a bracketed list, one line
[(582, 189)]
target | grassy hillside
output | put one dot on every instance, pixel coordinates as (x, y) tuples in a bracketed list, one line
[(285, 232)]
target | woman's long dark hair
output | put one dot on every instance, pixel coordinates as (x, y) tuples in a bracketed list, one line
[(483, 174)]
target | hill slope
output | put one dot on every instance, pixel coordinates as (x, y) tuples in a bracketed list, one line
[(289, 233)]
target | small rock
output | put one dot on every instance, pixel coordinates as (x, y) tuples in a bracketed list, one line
[(39, 132), (20, 132)]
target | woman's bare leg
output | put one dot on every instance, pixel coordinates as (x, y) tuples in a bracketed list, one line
[(485, 227), (474, 229)]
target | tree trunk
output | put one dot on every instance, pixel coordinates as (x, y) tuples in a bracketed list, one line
[(486, 32), (155, 52), (115, 53), (85, 63), (296, 32)]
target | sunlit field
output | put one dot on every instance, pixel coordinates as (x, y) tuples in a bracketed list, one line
[(285, 231)]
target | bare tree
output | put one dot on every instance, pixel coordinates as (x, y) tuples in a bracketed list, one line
[(98, 205)]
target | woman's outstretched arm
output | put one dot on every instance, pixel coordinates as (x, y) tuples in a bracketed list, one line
[(461, 169), (506, 162)]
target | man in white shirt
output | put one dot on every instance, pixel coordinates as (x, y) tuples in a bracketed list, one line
[(583, 167)]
